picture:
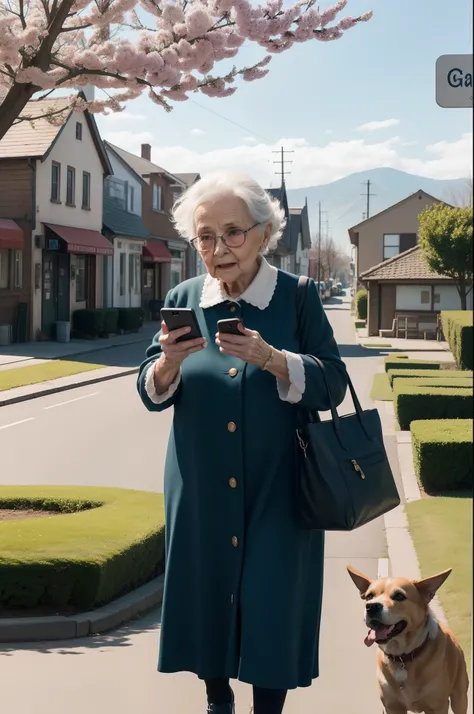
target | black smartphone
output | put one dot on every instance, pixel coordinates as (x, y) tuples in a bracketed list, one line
[(230, 327), (177, 317)]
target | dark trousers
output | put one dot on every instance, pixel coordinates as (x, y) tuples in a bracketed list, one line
[(265, 701)]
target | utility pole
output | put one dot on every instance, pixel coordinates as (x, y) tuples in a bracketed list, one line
[(368, 196), (281, 161), (320, 212)]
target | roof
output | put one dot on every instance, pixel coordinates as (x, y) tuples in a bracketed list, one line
[(139, 165), (188, 179), (121, 222), (34, 140), (409, 265), (420, 192), (111, 149)]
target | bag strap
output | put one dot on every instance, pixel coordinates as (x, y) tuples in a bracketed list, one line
[(301, 293)]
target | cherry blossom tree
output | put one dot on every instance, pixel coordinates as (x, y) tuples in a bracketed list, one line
[(167, 48)]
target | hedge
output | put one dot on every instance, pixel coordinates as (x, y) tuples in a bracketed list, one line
[(130, 318), (442, 452), (414, 403), (102, 322), (111, 321), (104, 543), (458, 331), (90, 323), (446, 374), (391, 364), (361, 304), (462, 382)]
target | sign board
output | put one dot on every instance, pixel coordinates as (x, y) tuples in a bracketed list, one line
[(454, 81)]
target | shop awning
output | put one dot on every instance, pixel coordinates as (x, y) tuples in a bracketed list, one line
[(11, 235), (156, 251), (81, 240)]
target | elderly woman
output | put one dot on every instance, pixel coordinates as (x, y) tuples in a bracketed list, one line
[(243, 584)]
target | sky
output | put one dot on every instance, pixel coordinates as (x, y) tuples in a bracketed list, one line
[(364, 101)]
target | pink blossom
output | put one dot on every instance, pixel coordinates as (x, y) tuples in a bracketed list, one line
[(255, 73), (173, 13), (198, 21), (346, 23)]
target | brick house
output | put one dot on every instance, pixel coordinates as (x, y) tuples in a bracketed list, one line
[(51, 185), (388, 233), (166, 254), (405, 297)]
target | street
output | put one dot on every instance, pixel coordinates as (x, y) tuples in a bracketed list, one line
[(102, 435)]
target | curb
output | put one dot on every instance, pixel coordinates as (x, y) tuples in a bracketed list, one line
[(65, 387), (125, 608)]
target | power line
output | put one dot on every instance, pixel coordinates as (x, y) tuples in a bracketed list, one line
[(368, 196), (221, 116), (282, 173)]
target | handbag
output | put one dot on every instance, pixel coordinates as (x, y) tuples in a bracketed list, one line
[(344, 479)]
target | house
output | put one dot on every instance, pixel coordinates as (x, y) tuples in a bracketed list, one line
[(300, 241), (166, 253), (389, 232), (280, 257), (130, 281), (51, 189), (195, 265), (405, 297)]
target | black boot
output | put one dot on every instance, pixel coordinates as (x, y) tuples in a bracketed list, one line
[(222, 708)]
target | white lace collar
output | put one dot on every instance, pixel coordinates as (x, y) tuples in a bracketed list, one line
[(259, 293)]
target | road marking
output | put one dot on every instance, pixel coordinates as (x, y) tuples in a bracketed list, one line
[(15, 423), (383, 569), (69, 401)]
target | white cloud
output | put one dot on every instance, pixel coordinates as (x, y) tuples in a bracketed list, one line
[(375, 125), (249, 140), (197, 132), (312, 165)]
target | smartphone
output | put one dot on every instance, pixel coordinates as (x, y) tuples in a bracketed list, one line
[(177, 317), (230, 327)]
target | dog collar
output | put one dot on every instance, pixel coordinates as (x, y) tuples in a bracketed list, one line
[(408, 656)]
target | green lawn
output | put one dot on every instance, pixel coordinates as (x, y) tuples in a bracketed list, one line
[(376, 345), (381, 389), (441, 528), (22, 376)]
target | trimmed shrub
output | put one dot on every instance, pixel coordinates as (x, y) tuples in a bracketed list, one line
[(361, 304), (391, 364), (414, 403), (463, 382), (458, 331), (130, 319), (442, 452), (394, 375), (359, 324), (89, 323), (104, 543), (111, 321)]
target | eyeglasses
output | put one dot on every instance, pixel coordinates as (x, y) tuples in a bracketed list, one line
[(233, 238)]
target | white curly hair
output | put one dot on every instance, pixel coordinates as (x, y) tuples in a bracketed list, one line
[(262, 206)]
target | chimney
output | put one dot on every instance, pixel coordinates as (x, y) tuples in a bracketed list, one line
[(146, 152)]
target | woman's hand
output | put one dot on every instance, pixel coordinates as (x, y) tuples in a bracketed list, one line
[(250, 347), (176, 352)]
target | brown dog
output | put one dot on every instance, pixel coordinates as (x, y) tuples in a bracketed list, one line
[(420, 664)]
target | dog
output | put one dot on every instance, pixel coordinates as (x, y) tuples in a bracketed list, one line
[(420, 664)]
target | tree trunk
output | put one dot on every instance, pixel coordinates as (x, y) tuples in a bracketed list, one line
[(15, 101), (462, 292)]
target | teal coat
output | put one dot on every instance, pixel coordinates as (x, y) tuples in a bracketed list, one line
[(243, 583)]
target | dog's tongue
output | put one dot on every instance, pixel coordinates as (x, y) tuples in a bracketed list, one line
[(380, 633)]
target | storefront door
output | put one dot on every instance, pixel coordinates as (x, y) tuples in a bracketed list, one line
[(55, 302)]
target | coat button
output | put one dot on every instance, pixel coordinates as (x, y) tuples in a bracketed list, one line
[(233, 308), (233, 483), (231, 426), (232, 372), (235, 541)]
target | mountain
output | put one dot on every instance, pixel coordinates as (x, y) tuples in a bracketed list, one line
[(345, 206)]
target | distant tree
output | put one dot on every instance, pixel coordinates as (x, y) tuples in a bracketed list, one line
[(446, 241)]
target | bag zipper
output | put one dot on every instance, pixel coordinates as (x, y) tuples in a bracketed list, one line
[(357, 468)]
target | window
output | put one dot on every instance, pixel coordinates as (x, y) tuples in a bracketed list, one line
[(391, 245), (122, 273), (425, 297), (70, 186), (18, 269), (116, 190), (78, 131), (148, 278), (157, 198), (55, 182), (131, 199), (4, 268), (80, 278), (86, 190), (134, 273)]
